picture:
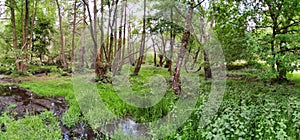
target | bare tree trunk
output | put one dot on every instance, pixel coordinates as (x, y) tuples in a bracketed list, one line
[(23, 61), (83, 39), (130, 49), (185, 39), (73, 36), (15, 39), (161, 57), (92, 31), (109, 36), (140, 60), (207, 69), (101, 68), (154, 51), (120, 29), (32, 27), (102, 48), (124, 33), (95, 32), (116, 27), (171, 45), (61, 37), (118, 51)]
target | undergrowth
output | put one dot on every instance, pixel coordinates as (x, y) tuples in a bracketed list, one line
[(250, 110)]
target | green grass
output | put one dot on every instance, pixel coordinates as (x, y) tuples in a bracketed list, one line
[(250, 110), (296, 78), (59, 87), (43, 126)]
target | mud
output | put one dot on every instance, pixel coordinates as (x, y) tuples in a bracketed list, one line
[(19, 102), (22, 101)]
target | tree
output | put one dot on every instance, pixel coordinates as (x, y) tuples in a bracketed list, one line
[(142, 47), (12, 5), (73, 34), (64, 61), (231, 27), (278, 26), (185, 39)]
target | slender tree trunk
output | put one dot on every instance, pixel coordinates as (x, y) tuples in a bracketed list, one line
[(73, 36), (161, 57), (115, 38), (282, 71), (61, 37), (15, 39), (101, 68), (171, 45), (120, 29), (140, 59), (95, 30), (185, 39), (109, 36), (102, 48), (164, 44), (130, 47), (116, 27), (154, 51), (32, 28), (207, 69), (83, 39), (119, 51), (92, 31), (23, 61), (124, 33)]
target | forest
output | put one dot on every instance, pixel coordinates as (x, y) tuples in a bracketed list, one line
[(149, 69)]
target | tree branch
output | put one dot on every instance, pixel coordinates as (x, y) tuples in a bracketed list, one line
[(198, 4), (179, 12)]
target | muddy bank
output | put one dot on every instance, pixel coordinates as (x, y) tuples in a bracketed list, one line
[(19, 102), (6, 79), (23, 101)]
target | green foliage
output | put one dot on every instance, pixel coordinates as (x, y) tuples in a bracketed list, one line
[(231, 30), (58, 87), (43, 126), (249, 109)]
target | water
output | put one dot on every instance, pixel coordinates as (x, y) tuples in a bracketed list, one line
[(127, 127), (34, 104)]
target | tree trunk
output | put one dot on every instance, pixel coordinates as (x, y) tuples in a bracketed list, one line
[(154, 51), (15, 39), (61, 38), (83, 39), (140, 59), (109, 36), (73, 36), (102, 48), (119, 51), (124, 33), (92, 32), (101, 68), (185, 39), (116, 27), (161, 57), (130, 47), (23, 61), (95, 33), (32, 27), (207, 69), (171, 45)]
